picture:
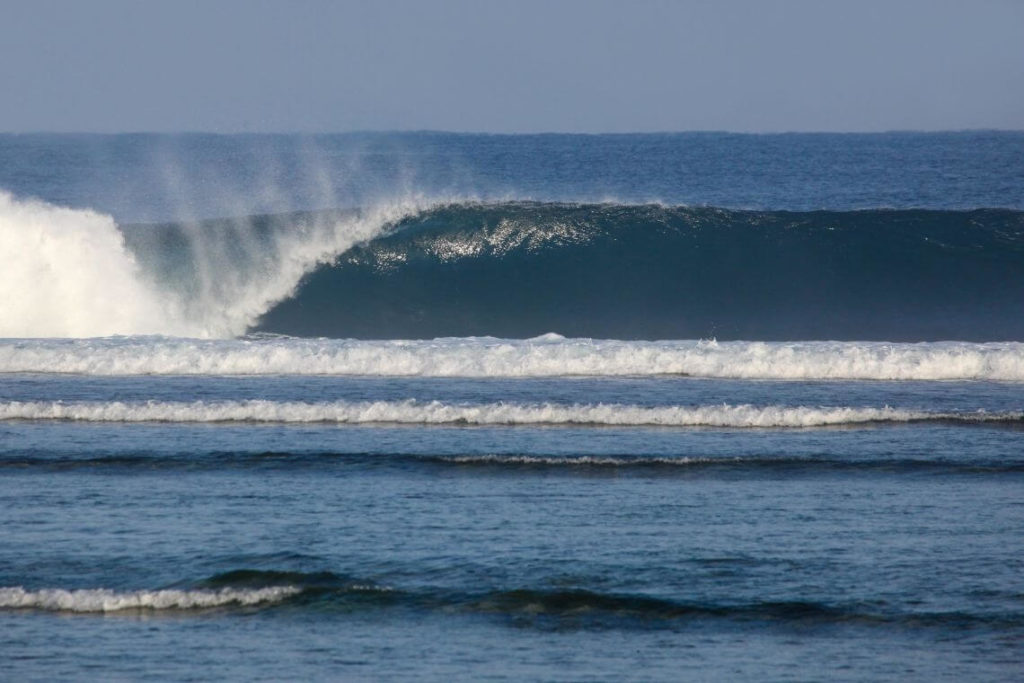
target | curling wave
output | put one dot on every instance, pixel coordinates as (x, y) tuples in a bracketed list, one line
[(75, 273), (417, 269), (616, 271)]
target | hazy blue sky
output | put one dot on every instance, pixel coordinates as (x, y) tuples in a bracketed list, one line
[(511, 66)]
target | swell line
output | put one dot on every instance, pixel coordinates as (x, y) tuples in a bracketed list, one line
[(511, 414), (536, 605), (547, 356), (674, 464)]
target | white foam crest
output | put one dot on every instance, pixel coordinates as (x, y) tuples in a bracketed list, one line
[(436, 412), (105, 600), (546, 356), (68, 273)]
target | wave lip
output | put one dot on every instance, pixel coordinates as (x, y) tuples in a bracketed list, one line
[(411, 411), (547, 356), (106, 600)]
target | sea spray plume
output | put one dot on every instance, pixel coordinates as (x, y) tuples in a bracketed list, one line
[(226, 273), (67, 273), (239, 268), (70, 273)]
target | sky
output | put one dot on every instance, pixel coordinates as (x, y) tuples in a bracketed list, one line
[(514, 66)]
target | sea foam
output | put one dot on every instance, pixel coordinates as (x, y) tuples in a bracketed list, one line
[(548, 356), (436, 412), (68, 272), (105, 600)]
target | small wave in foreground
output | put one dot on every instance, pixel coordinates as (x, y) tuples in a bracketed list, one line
[(415, 412)]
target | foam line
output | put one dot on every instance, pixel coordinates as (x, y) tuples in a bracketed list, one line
[(436, 412), (546, 356), (68, 273), (105, 600)]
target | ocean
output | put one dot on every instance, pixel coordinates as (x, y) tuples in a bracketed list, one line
[(382, 406)]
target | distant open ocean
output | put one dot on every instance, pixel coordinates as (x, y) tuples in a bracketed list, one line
[(533, 407)]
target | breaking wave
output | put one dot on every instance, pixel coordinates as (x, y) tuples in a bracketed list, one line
[(411, 411), (237, 588), (67, 273), (614, 271), (75, 273), (547, 356), (539, 606), (105, 600), (417, 269)]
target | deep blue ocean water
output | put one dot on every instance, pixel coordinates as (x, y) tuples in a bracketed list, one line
[(392, 406)]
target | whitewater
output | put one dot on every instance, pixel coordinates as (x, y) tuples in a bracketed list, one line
[(95, 306), (418, 268), (436, 412), (74, 276), (106, 600), (547, 356)]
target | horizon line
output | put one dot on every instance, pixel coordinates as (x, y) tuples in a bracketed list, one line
[(438, 131)]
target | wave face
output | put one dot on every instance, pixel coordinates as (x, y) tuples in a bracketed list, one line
[(416, 269), (655, 272)]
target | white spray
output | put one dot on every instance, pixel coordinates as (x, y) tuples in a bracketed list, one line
[(68, 273)]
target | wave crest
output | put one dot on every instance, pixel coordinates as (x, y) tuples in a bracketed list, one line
[(436, 412), (548, 356), (106, 600), (414, 268), (75, 273)]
